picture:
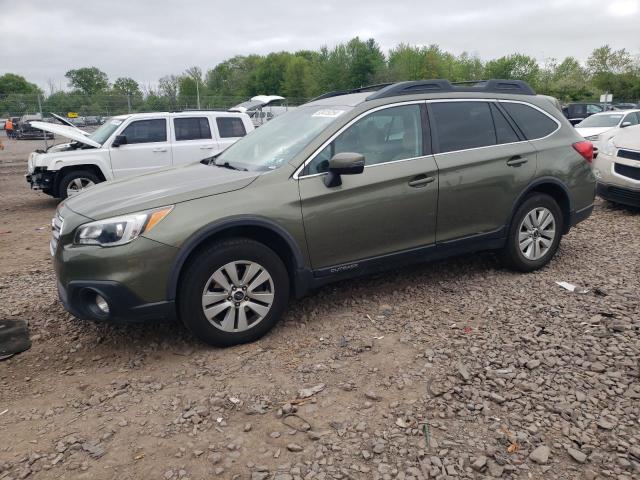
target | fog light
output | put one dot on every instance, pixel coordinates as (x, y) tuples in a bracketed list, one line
[(102, 304)]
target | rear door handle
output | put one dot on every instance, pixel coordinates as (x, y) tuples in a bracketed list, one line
[(516, 161), (207, 148), (421, 181), (159, 149)]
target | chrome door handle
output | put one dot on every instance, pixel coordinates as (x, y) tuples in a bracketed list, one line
[(206, 148), (421, 181), (516, 161), (159, 149)]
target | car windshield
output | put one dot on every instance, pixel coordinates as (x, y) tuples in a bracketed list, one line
[(279, 140), (606, 120), (104, 131)]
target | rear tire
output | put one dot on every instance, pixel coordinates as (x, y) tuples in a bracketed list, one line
[(233, 292), (73, 182), (534, 234)]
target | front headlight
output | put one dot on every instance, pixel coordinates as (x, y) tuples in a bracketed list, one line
[(609, 148), (115, 231)]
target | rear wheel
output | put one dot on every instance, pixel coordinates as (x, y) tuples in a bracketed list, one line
[(75, 181), (534, 234), (233, 292)]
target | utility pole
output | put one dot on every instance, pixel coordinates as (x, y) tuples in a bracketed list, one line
[(198, 93), (129, 102), (46, 144)]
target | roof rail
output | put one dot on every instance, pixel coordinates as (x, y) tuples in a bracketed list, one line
[(436, 86), (366, 88)]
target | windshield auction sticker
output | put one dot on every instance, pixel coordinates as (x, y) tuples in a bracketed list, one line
[(328, 113)]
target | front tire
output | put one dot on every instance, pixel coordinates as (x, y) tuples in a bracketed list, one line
[(534, 234), (75, 181), (233, 292)]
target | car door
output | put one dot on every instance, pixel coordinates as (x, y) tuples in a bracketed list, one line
[(192, 140), (390, 207), (229, 130), (483, 162), (147, 148)]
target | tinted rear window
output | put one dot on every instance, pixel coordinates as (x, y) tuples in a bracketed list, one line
[(230, 127), (533, 123), (504, 132), (195, 128), (463, 125)]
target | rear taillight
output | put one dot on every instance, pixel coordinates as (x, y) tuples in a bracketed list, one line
[(584, 148)]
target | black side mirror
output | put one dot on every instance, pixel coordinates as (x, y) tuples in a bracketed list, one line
[(346, 163), (119, 140)]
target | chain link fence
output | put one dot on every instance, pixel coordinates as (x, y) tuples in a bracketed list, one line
[(99, 105)]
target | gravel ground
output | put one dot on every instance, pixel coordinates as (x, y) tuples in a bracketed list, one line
[(456, 369)]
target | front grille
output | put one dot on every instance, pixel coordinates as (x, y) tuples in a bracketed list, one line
[(56, 228), (630, 154), (627, 171)]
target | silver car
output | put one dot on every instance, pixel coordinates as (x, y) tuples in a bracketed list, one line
[(617, 168)]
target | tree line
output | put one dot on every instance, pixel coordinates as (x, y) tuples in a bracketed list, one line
[(304, 74)]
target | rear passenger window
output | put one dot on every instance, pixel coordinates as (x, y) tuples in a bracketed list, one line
[(195, 128), (463, 125), (230, 127), (533, 123), (146, 131), (504, 131)]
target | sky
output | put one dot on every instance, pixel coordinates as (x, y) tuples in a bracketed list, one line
[(146, 39)]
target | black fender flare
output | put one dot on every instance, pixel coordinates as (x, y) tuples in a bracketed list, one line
[(201, 235)]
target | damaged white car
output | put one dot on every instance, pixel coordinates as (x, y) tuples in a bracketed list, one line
[(130, 145)]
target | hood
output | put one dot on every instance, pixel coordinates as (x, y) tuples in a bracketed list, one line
[(66, 122), (66, 131), (628, 137), (589, 132), (157, 189)]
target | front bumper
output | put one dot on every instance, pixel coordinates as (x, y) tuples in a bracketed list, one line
[(131, 278), (618, 194), (41, 179), (79, 299)]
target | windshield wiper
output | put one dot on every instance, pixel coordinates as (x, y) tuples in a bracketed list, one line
[(229, 166)]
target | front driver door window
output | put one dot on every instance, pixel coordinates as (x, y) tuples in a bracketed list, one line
[(378, 211), (384, 136)]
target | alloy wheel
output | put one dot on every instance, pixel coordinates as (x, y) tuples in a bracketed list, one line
[(536, 233), (238, 296), (77, 185)]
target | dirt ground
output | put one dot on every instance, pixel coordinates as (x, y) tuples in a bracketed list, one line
[(456, 369)]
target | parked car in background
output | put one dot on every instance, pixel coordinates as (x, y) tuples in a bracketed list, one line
[(130, 145), (626, 106), (576, 112), (351, 183), (617, 168), (600, 127), (262, 108), (24, 131), (2, 123)]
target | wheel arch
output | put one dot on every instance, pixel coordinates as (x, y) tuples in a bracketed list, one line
[(95, 169), (259, 229), (555, 189)]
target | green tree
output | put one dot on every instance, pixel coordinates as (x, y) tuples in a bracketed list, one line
[(12, 83), (127, 86), (516, 66), (297, 78), (88, 80)]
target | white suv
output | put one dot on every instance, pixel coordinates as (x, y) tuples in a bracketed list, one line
[(131, 145)]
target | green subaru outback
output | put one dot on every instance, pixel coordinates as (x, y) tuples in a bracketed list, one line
[(349, 183)]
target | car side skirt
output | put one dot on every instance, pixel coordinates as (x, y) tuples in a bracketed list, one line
[(493, 240)]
